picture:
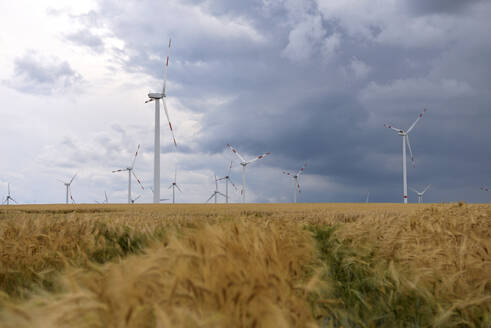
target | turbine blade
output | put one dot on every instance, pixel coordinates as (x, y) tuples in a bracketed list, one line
[(410, 150), (259, 157), (230, 168), (302, 169), (233, 184), (73, 178), (149, 100), (8, 188), (166, 68), (210, 197), (178, 188), (134, 200), (393, 128), (105, 195), (138, 180), (120, 170), (13, 200), (136, 154), (414, 190), (427, 187), (221, 194), (414, 124), (170, 186), (298, 187), (163, 199), (168, 120), (236, 153)]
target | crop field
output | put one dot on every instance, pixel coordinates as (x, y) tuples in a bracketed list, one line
[(256, 265)]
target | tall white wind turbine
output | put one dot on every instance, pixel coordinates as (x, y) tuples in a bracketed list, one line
[(156, 97), (8, 198), (68, 186), (216, 192), (131, 171), (420, 193), (296, 184), (227, 179), (244, 163), (174, 186), (405, 139)]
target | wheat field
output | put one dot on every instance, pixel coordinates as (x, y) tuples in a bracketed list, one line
[(256, 265)]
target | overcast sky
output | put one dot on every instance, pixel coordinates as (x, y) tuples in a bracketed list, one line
[(308, 80)]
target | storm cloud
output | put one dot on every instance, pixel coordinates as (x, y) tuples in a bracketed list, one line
[(310, 81)]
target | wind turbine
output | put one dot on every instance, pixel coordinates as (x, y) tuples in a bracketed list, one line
[(420, 194), (155, 97), (484, 189), (296, 185), (368, 196), (68, 186), (216, 192), (227, 179), (405, 138), (130, 170), (244, 163), (8, 198), (174, 186), (106, 200)]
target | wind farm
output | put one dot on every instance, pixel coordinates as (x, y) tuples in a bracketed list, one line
[(227, 164)]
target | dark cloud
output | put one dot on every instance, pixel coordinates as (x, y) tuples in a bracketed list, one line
[(288, 78), (37, 74), (441, 6), (87, 39)]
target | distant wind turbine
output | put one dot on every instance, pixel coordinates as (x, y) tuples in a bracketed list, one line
[(8, 198), (130, 170), (296, 184), (68, 186), (216, 192), (368, 196), (156, 98), (405, 138), (420, 194), (244, 163), (227, 179), (106, 200), (174, 186)]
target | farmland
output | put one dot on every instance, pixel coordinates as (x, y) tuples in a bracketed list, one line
[(258, 265)]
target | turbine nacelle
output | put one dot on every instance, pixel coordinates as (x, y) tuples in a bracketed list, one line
[(156, 95)]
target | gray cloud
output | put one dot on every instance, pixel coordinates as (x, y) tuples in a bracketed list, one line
[(308, 81), (38, 74), (87, 39)]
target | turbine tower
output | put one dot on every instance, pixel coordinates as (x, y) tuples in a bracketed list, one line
[(68, 186), (405, 139), (227, 179), (420, 194), (244, 164), (8, 198), (216, 192), (296, 184), (174, 186), (156, 97), (131, 171)]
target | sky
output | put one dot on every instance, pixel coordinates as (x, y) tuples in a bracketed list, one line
[(311, 81)]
